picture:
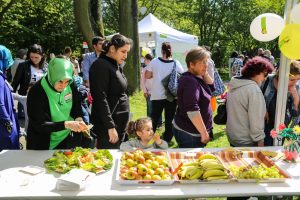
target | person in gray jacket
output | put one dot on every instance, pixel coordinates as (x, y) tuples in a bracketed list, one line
[(246, 107), (141, 136)]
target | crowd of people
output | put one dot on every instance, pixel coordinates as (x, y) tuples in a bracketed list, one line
[(60, 99)]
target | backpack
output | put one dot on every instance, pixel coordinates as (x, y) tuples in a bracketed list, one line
[(170, 83), (173, 81), (218, 84), (221, 116)]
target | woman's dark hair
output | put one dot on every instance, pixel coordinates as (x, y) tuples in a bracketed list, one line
[(39, 50), (234, 54), (166, 49), (255, 66), (138, 125), (117, 41), (148, 56)]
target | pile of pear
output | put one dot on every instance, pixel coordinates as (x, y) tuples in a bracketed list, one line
[(145, 165), (207, 167)]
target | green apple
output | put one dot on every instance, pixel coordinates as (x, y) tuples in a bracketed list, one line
[(147, 177), (167, 171), (133, 169), (166, 177), (130, 162), (124, 175), (131, 174), (140, 159), (159, 159), (138, 152), (154, 164), (159, 171), (128, 155), (147, 154), (142, 169), (165, 163), (149, 161), (124, 170), (139, 177), (156, 177), (148, 165), (151, 172)]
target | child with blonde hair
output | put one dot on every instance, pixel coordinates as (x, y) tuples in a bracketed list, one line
[(142, 136)]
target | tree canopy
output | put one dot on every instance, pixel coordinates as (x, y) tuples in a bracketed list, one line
[(221, 24)]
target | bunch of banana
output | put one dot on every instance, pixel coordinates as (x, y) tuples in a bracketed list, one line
[(213, 169), (208, 164), (215, 174), (190, 171), (207, 156)]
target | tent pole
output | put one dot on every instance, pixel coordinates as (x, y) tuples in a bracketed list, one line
[(284, 71)]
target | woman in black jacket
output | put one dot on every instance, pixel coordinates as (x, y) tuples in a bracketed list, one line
[(29, 72), (108, 84)]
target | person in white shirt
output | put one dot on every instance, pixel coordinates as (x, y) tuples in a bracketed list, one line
[(158, 69), (146, 85)]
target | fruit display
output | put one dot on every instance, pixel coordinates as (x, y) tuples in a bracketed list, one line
[(251, 166), (207, 167), (81, 158), (144, 165), (255, 172)]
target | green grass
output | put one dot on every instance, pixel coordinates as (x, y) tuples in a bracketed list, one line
[(138, 110)]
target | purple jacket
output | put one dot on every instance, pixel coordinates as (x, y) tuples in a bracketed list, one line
[(7, 114), (193, 95)]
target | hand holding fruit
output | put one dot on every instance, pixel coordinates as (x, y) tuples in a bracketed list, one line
[(156, 138), (76, 126)]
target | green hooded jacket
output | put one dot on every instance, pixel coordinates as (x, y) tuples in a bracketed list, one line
[(60, 102)]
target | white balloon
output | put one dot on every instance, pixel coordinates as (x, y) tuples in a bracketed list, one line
[(295, 14), (274, 24)]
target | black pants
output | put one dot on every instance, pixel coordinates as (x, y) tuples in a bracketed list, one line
[(170, 108), (121, 120)]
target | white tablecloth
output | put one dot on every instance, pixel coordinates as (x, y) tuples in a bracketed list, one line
[(17, 185)]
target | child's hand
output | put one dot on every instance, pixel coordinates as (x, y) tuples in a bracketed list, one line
[(156, 138)]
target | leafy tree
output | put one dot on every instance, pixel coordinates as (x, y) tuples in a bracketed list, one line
[(4, 6), (47, 22)]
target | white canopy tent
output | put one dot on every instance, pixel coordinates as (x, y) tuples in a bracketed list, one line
[(153, 32)]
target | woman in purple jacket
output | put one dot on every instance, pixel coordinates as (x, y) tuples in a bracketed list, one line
[(9, 127), (192, 125)]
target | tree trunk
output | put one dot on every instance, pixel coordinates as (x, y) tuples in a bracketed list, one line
[(97, 20), (128, 23), (89, 19)]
